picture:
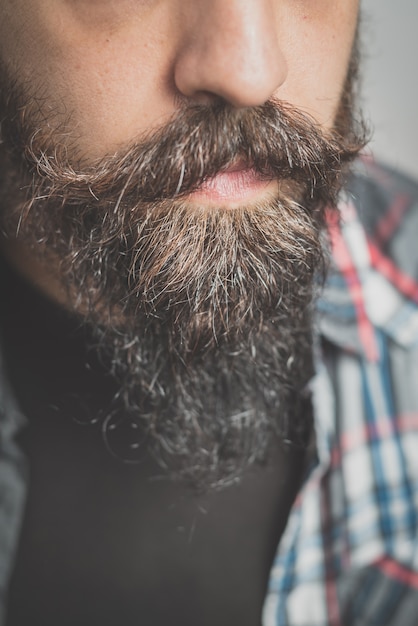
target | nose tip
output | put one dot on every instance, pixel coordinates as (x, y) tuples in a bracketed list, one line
[(231, 51)]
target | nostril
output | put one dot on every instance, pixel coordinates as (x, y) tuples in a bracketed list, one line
[(206, 98)]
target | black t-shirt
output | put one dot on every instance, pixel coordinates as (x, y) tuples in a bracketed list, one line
[(103, 542)]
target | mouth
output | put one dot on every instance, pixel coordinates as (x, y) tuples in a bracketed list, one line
[(234, 186)]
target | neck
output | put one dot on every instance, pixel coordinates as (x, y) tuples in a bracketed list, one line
[(40, 270)]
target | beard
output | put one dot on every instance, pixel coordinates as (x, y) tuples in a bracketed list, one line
[(203, 315)]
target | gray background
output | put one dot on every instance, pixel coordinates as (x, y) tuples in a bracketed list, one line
[(390, 79)]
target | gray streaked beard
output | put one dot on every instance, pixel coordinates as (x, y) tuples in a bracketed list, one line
[(204, 316)]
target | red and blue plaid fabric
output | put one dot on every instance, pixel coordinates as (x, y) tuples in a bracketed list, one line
[(349, 555)]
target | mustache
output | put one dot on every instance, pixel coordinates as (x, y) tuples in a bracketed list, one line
[(274, 139)]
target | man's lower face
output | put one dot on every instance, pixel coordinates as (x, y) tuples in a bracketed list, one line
[(204, 312)]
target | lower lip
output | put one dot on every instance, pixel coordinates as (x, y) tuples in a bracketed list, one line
[(231, 186)]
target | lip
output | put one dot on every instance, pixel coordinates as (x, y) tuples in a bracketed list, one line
[(235, 185)]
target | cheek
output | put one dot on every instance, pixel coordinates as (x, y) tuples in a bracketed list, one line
[(108, 83), (115, 94), (319, 48)]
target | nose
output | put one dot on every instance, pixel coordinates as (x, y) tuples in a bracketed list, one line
[(230, 50)]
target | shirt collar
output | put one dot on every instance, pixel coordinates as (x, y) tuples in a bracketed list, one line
[(367, 288)]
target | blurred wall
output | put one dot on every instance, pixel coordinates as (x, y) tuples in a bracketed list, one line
[(390, 79)]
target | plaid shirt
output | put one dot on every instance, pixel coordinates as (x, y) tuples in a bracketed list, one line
[(349, 555)]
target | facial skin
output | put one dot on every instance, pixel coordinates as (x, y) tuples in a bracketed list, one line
[(210, 291), (119, 67)]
